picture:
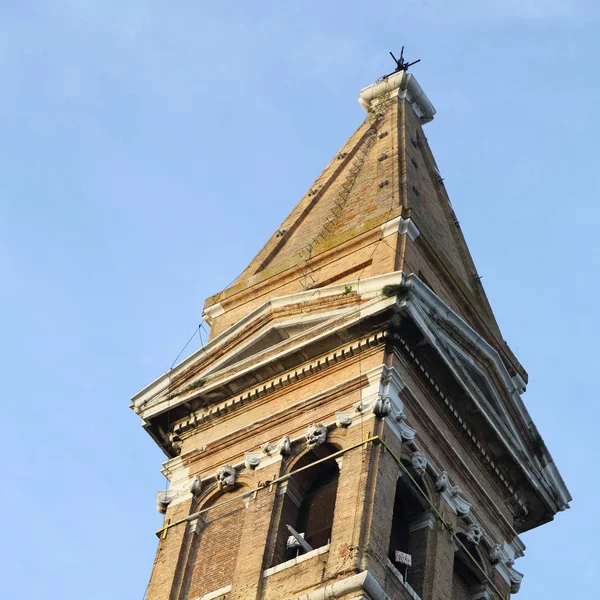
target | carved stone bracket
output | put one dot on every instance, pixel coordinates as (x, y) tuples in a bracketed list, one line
[(382, 406), (442, 482), (165, 497), (344, 419), (419, 463), (474, 534), (315, 435), (226, 477), (463, 508), (283, 447), (515, 576), (453, 495), (406, 433), (495, 554)]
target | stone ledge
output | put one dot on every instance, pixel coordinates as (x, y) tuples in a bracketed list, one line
[(294, 561)]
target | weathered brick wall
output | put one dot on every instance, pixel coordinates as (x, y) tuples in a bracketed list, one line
[(218, 544)]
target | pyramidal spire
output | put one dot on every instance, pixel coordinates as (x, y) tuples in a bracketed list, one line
[(378, 207)]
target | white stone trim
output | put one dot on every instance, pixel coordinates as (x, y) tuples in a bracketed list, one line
[(367, 287), (431, 304), (294, 561), (393, 85), (427, 519), (482, 592), (211, 595), (212, 312), (402, 226), (361, 582), (180, 483), (401, 579)]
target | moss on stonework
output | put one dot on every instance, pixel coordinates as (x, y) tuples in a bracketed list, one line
[(389, 291), (279, 266), (194, 386)]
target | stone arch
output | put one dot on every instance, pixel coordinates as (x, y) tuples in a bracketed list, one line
[(412, 522), (216, 539), (306, 501), (468, 581)]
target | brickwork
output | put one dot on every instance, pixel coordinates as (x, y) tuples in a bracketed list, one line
[(424, 463), (218, 543)]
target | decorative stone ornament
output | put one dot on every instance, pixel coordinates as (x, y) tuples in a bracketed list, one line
[(163, 499), (474, 534), (406, 433), (226, 476), (442, 485), (515, 581), (252, 460), (344, 419), (442, 482), (283, 447), (419, 463), (196, 485), (463, 508), (382, 406), (495, 554), (315, 435)]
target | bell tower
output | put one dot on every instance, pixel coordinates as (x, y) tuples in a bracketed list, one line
[(354, 427)]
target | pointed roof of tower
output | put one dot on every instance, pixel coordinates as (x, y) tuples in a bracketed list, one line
[(378, 207)]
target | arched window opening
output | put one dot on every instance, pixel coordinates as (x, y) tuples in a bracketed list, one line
[(308, 506), (467, 579), (411, 524), (214, 547)]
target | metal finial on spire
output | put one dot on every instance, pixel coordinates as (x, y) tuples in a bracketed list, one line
[(401, 64)]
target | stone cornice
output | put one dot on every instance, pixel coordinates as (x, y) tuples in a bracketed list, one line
[(293, 376), (368, 288)]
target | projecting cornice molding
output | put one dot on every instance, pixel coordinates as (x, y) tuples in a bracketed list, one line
[(158, 392), (431, 315), (401, 84)]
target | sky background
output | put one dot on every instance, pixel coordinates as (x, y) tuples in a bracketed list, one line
[(150, 148)]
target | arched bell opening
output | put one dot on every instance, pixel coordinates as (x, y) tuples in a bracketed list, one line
[(308, 504), (468, 580), (412, 521)]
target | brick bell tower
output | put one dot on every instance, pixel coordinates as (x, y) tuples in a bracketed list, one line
[(354, 426)]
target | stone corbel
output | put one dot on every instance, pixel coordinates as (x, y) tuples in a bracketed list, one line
[(419, 463), (463, 508), (283, 447), (345, 418), (226, 477), (406, 433), (495, 554), (474, 534), (515, 576), (382, 406), (452, 493), (165, 497), (504, 563), (252, 459), (316, 435), (377, 407)]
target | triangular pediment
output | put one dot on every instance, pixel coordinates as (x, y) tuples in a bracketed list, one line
[(475, 366), (269, 337)]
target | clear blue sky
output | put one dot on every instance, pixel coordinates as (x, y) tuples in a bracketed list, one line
[(149, 148)]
